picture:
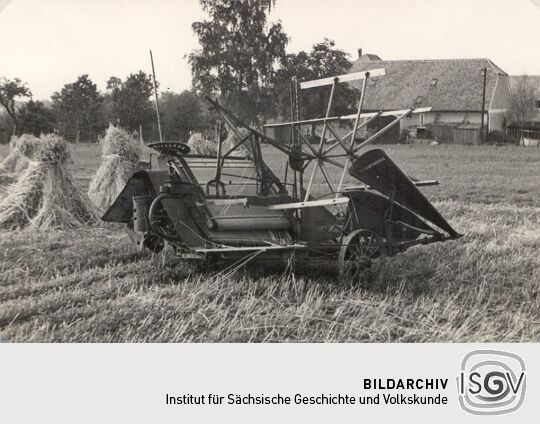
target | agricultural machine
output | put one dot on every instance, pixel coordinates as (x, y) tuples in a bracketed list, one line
[(232, 206)]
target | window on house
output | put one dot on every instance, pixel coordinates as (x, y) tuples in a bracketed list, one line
[(419, 100), (537, 104), (372, 82), (433, 82)]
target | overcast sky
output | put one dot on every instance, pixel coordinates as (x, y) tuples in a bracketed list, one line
[(48, 43)]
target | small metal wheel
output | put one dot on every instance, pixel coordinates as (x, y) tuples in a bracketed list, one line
[(358, 251)]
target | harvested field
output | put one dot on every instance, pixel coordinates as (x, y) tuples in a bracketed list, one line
[(91, 285)]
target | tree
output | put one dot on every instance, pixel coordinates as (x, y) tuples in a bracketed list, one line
[(239, 54), (182, 113), (131, 105), (9, 91), (6, 127), (77, 109), (35, 118), (114, 83), (523, 97), (324, 60)]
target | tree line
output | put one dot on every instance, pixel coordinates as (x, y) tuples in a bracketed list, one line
[(79, 112), (242, 61)]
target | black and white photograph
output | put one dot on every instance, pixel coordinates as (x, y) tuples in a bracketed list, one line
[(269, 171), (261, 211)]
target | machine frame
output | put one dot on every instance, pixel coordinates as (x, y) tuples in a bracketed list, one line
[(280, 219)]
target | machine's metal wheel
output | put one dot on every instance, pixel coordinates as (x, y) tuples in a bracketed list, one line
[(359, 250)]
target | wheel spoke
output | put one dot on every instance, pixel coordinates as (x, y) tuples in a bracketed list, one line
[(357, 253)]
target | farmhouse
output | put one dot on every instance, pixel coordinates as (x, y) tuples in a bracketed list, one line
[(453, 88)]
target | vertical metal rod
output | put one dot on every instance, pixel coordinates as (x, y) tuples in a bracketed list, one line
[(292, 103), (353, 133), (218, 161), (292, 141), (296, 86), (156, 96), (298, 175)]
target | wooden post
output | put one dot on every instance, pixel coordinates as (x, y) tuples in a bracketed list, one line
[(156, 96), (482, 130)]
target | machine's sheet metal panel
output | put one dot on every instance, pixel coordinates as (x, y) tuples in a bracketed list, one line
[(141, 183), (376, 169), (178, 211), (368, 210)]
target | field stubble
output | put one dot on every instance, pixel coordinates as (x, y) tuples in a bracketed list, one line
[(91, 285)]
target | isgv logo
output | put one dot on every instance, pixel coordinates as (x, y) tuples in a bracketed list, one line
[(491, 382)]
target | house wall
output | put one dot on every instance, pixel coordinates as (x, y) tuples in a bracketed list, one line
[(443, 118), (494, 119), (501, 96), (497, 120), (500, 104)]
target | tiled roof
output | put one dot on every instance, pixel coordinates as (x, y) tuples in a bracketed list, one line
[(368, 56), (444, 85)]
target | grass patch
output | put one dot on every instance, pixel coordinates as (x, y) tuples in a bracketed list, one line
[(91, 286)]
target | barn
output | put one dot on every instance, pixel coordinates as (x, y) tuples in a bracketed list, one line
[(454, 88)]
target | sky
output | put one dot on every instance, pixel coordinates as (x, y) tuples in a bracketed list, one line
[(48, 43)]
